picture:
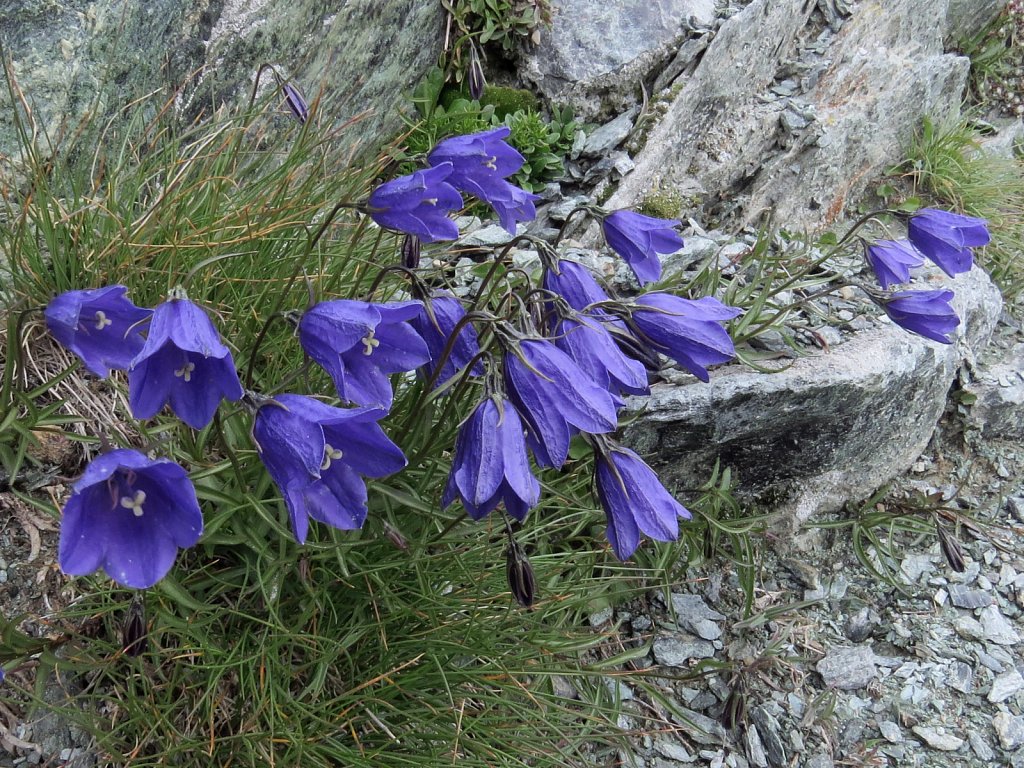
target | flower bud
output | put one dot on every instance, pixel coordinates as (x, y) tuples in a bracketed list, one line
[(411, 251), (134, 639), (520, 574), (951, 549), (475, 75)]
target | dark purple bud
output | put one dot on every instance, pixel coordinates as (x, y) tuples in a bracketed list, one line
[(520, 574), (395, 536), (475, 75), (296, 102), (134, 639), (411, 247), (951, 548)]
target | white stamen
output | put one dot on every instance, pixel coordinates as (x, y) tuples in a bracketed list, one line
[(430, 201), (134, 503), (185, 372), (330, 454), (102, 321), (492, 163), (370, 342)]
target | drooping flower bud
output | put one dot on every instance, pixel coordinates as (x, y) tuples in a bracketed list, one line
[(296, 102), (411, 246), (134, 639), (951, 548), (520, 574), (475, 75)]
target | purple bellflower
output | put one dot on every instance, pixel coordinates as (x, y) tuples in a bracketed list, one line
[(448, 312), (634, 501), (184, 362), (892, 260), (639, 239), (318, 455), (99, 325), (418, 204), (926, 313), (491, 465), (481, 162), (555, 397), (947, 238), (574, 283), (360, 344), (592, 347), (129, 514), (687, 331)]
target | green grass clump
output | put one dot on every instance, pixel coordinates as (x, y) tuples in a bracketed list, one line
[(948, 163)]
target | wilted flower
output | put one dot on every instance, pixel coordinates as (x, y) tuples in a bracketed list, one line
[(99, 325), (688, 331), (511, 203), (639, 239), (418, 204), (448, 312), (946, 238), (490, 464), (360, 344), (556, 397), (129, 514), (318, 455), (593, 348), (926, 313), (184, 362), (296, 102), (634, 501), (892, 260)]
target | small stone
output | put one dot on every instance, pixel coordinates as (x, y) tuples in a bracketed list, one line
[(597, 618), (770, 731), (563, 689), (980, 746), (618, 690), (488, 237), (700, 728), (609, 135), (672, 751), (962, 597), (890, 731), (755, 750), (561, 210), (821, 760), (937, 738), (860, 625), (961, 677), (969, 628), (677, 652), (848, 667), (997, 629), (1016, 506), (1005, 686), (915, 566), (1009, 729)]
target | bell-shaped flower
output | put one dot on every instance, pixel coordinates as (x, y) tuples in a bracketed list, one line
[(634, 501), (360, 344), (418, 204), (511, 203), (593, 348), (318, 456), (574, 283), (100, 325), (685, 330), (947, 238), (555, 397), (448, 312), (892, 260), (490, 464), (182, 362), (639, 239), (128, 515), (926, 313), (477, 159)]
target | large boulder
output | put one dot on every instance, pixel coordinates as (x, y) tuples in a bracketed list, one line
[(785, 113), (830, 428), (72, 58)]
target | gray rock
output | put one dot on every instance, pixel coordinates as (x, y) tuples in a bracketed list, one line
[(488, 237), (1009, 729), (820, 760), (678, 651), (755, 751), (362, 57), (969, 628), (980, 746), (890, 731), (998, 408), (673, 751), (876, 83), (818, 418), (1005, 686), (969, 17), (688, 606), (609, 135), (937, 738), (961, 677), (962, 597), (701, 728), (770, 731), (576, 64), (848, 668), (997, 628)]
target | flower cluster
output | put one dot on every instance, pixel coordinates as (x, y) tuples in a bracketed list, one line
[(945, 239), (542, 365)]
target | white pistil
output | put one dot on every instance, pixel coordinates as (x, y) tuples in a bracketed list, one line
[(430, 201), (492, 163), (370, 342), (185, 372), (330, 454), (102, 321), (134, 503)]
